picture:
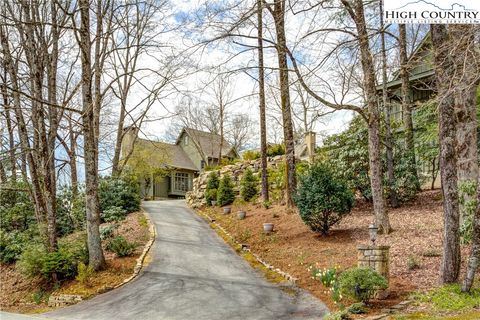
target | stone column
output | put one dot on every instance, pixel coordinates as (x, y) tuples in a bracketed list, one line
[(376, 258)]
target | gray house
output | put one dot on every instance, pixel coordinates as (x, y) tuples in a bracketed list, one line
[(175, 165)]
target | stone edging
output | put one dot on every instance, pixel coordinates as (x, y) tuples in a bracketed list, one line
[(244, 247), (140, 260), (386, 313), (68, 299)]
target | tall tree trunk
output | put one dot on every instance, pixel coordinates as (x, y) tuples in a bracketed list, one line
[(374, 148), (95, 252), (387, 109), (116, 168), (261, 93), (72, 155), (10, 129), (291, 180), (448, 158), (222, 116), (466, 76), (407, 104)]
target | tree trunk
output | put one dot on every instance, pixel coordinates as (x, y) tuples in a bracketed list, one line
[(11, 137), (407, 104), (376, 175), (466, 77), (261, 93), (387, 109), (95, 252), (116, 169), (291, 181), (448, 158)]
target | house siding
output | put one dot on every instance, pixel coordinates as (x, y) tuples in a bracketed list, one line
[(191, 151)]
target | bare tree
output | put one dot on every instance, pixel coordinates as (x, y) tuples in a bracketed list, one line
[(406, 102), (277, 10), (262, 103), (371, 112), (448, 155)]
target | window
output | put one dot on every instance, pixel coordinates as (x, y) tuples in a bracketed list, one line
[(186, 140), (181, 182)]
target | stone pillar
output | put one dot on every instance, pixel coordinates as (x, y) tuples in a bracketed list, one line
[(376, 258)]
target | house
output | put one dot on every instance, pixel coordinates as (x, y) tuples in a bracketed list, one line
[(421, 77), (173, 166)]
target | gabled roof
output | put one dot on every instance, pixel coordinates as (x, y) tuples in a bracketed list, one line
[(209, 143), (171, 155), (420, 68)]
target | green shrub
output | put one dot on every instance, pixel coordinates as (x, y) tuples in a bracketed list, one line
[(107, 232), (84, 274), (113, 214), (248, 185), (16, 208), (121, 192), (275, 150), (211, 188), (13, 243), (468, 200), (36, 261), (251, 155), (121, 246), (412, 263), (357, 308), (360, 283), (71, 211), (225, 193), (40, 296), (322, 198), (210, 195), (338, 315)]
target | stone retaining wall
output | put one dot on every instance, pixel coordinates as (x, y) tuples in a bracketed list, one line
[(196, 197)]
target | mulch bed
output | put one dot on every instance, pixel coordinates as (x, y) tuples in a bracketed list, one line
[(293, 247)]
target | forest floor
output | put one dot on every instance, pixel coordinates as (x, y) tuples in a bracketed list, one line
[(415, 244), (30, 295)]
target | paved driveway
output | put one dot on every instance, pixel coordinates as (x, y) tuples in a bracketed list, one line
[(193, 275)]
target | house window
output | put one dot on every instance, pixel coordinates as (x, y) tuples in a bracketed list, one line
[(186, 140), (181, 181)]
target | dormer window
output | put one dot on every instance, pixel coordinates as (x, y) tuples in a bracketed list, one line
[(186, 140)]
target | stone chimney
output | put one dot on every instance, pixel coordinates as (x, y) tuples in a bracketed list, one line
[(130, 133), (310, 142)]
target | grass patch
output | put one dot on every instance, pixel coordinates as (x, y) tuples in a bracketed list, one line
[(450, 298), (471, 315), (142, 220)]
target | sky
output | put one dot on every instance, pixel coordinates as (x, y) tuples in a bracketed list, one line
[(190, 23)]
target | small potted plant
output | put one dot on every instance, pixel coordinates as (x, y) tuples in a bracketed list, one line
[(241, 214), (268, 227), (213, 203), (227, 210)]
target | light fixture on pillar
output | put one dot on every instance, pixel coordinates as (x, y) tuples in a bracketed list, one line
[(372, 231)]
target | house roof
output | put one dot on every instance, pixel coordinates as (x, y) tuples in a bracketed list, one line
[(209, 143), (172, 155), (420, 69)]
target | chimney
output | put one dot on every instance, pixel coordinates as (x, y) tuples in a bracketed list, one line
[(129, 135), (310, 142)]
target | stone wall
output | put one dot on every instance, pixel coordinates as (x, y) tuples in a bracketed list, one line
[(196, 197)]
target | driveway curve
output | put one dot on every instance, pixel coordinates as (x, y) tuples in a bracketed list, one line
[(193, 275)]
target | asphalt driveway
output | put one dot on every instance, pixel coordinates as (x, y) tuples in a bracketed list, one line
[(193, 275)]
